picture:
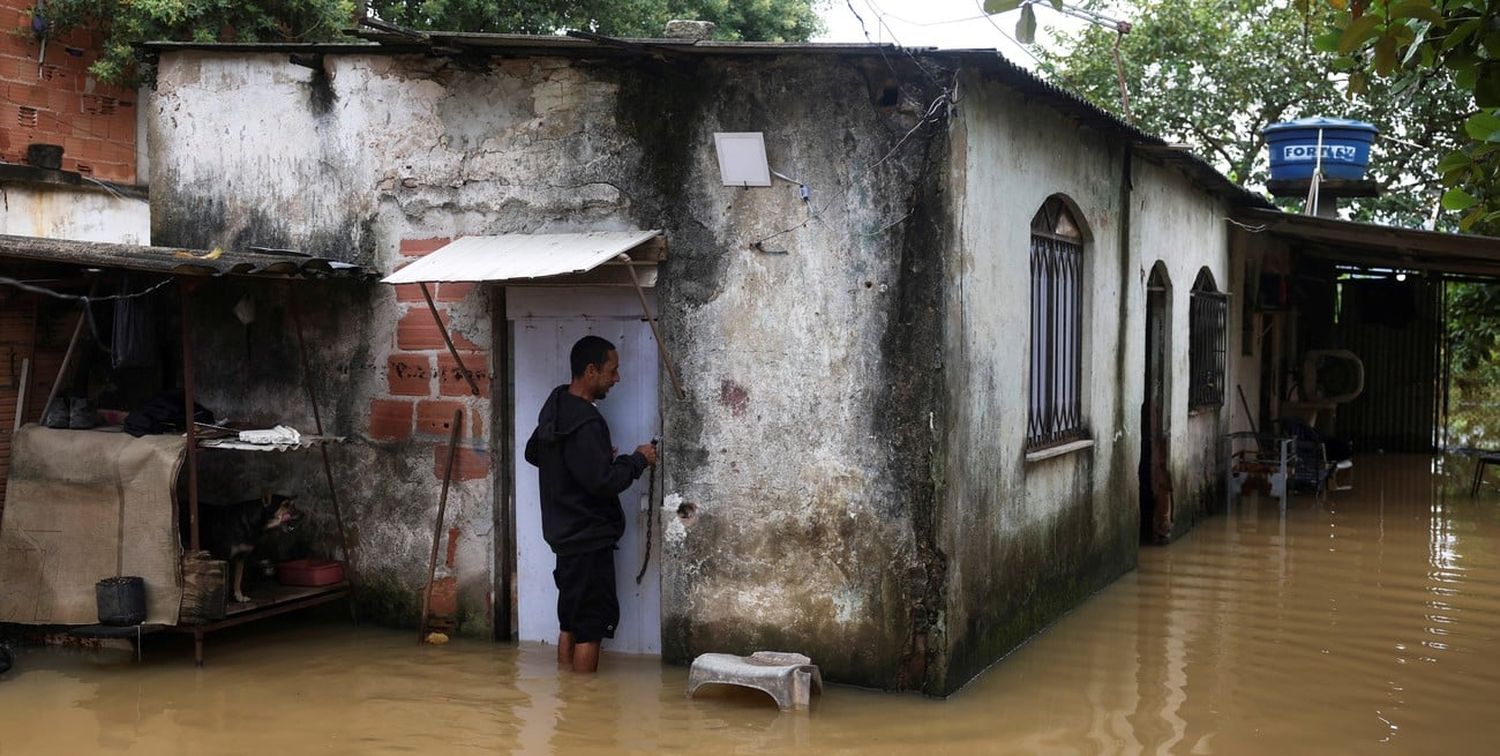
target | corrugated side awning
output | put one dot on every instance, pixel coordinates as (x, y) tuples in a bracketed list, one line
[(175, 260), (568, 259)]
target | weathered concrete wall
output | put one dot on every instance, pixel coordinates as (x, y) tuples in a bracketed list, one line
[(807, 356), (1252, 255), (386, 480), (58, 212), (1028, 540), (1185, 229)]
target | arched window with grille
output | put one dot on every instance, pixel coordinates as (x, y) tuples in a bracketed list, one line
[(1055, 400), (1207, 322)]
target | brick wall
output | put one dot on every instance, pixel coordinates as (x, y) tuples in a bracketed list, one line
[(424, 384), (58, 102), (30, 328)]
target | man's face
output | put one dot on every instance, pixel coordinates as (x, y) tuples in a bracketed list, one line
[(604, 377)]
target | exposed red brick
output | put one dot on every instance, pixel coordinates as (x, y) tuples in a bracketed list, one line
[(111, 152), (416, 330), (123, 130), (25, 94), (390, 419), (408, 292), (451, 378), (419, 247), (476, 425), (436, 417), (409, 374), (453, 292), (470, 464)]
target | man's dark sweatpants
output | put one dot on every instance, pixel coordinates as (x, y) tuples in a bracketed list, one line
[(587, 605)]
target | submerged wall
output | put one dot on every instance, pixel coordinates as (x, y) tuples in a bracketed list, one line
[(1029, 537), (803, 329), (1183, 228)]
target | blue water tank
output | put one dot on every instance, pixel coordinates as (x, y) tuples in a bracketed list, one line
[(1294, 148)]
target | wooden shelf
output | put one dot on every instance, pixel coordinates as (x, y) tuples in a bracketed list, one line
[(270, 600)]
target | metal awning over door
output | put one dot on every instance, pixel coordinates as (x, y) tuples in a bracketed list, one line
[(590, 258), (593, 258)]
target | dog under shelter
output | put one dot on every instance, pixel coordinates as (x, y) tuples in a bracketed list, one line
[(106, 530)]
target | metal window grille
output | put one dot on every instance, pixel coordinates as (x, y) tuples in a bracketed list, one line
[(1055, 409), (1207, 323)]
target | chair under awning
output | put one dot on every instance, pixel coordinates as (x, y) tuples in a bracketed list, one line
[(588, 258)]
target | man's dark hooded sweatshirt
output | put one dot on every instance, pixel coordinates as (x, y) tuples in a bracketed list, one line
[(580, 478)]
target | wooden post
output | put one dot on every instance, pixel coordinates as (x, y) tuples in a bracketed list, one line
[(62, 370), (437, 527), (184, 288), (333, 495), (503, 434), (443, 329), (661, 346)]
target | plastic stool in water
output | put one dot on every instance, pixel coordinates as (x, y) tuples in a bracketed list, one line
[(791, 679)]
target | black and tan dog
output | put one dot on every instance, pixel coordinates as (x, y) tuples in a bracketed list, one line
[(231, 531)]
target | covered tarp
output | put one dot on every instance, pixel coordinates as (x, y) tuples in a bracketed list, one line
[(82, 506)]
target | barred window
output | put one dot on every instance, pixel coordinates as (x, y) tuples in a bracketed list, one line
[(1207, 321), (1055, 409)]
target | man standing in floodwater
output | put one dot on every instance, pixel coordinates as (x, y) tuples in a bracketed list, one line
[(581, 478)]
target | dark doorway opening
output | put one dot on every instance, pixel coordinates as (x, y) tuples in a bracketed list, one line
[(1156, 430)]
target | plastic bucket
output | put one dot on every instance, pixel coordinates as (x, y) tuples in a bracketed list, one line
[(121, 600)]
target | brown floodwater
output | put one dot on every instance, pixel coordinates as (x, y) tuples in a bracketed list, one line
[(1367, 622)]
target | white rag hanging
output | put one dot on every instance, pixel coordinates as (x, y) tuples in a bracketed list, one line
[(281, 435)]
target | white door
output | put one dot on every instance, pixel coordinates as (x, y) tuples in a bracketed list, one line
[(546, 324)]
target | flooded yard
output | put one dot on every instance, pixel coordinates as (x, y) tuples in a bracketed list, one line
[(1370, 620)]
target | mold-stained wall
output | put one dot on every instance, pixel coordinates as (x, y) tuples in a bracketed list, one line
[(1028, 537), (804, 329), (846, 475)]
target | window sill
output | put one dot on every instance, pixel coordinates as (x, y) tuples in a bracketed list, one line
[(1060, 450)]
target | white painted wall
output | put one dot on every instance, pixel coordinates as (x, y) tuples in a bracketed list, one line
[(1027, 539), (58, 212), (1185, 228)]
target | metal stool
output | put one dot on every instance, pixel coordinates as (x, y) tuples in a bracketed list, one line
[(1481, 461)]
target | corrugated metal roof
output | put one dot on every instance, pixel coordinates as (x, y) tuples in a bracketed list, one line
[(510, 257), (174, 260), (1372, 245)]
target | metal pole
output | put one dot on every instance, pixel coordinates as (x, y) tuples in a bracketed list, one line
[(661, 347), (437, 527), (442, 329), (184, 288), (312, 399)]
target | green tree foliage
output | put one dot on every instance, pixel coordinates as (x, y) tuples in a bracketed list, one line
[(1213, 73), (759, 20), (127, 24), (1474, 335), (1420, 44)]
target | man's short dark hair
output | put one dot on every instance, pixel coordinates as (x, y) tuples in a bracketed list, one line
[(590, 350)]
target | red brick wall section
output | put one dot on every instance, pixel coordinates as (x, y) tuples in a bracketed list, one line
[(424, 384), (56, 101)]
